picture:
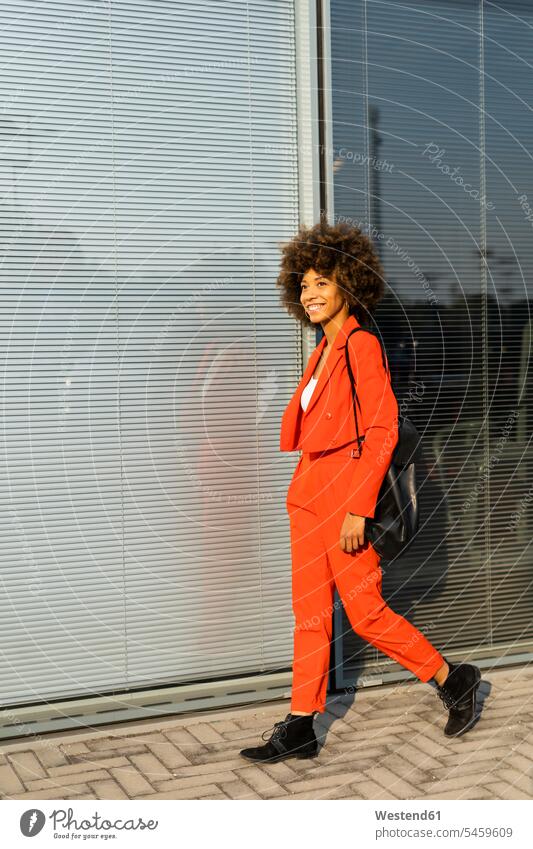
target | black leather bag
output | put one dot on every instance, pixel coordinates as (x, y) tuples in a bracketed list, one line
[(396, 517)]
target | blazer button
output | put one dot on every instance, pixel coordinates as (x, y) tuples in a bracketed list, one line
[(328, 415)]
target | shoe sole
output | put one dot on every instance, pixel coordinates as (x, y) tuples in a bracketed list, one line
[(469, 724), (299, 755)]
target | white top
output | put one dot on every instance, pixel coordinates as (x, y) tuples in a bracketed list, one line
[(308, 391)]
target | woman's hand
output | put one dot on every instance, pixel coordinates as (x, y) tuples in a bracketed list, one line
[(352, 532)]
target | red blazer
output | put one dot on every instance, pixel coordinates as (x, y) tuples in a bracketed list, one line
[(328, 421)]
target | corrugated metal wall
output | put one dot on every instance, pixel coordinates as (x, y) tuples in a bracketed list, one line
[(150, 168)]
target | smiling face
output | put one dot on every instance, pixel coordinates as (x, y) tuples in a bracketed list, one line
[(322, 299)]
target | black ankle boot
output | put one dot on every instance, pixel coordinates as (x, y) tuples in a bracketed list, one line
[(293, 737), (459, 695)]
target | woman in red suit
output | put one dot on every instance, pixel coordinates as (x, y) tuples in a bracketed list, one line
[(330, 275)]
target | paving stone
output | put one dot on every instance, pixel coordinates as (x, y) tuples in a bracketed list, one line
[(280, 772), (518, 779), (513, 691), (214, 766), (304, 766), (319, 782), (526, 747), (465, 793), (74, 748), (205, 733), (241, 736), (27, 766), (299, 766), (185, 793), (490, 723), (351, 752), (481, 792), (51, 756), (413, 774), (219, 795), (457, 782), (383, 719), (341, 727), (362, 740), (484, 768), (517, 761), (319, 794), (399, 729), (82, 796), (473, 743), (193, 781), (432, 747), (371, 790), (97, 755), (504, 707), (223, 726), (349, 792), (131, 781), (79, 768), (347, 751), (496, 754), (152, 768), (54, 793), (237, 789), (257, 722), (111, 743), (336, 768), (148, 737), (219, 751), (108, 789), (66, 781), (9, 781), (188, 744), (363, 702), (414, 756), (168, 754), (261, 782), (504, 790), (342, 790), (399, 786), (326, 737), (340, 708)]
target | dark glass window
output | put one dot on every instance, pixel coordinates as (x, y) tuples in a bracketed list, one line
[(432, 109)]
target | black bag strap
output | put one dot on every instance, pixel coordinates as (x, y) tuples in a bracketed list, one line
[(383, 354), (355, 399)]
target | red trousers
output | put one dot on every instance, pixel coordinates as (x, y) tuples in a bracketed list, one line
[(316, 505)]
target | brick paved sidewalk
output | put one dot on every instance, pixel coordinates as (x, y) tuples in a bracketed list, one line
[(387, 743)]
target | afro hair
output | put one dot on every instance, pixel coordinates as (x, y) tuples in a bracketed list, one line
[(340, 252)]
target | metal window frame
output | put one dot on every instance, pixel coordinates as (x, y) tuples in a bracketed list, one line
[(310, 161), (85, 713)]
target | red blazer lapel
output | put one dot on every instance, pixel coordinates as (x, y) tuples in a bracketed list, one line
[(332, 360), (335, 356), (289, 421)]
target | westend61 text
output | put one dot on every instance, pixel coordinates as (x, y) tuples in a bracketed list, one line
[(407, 815)]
